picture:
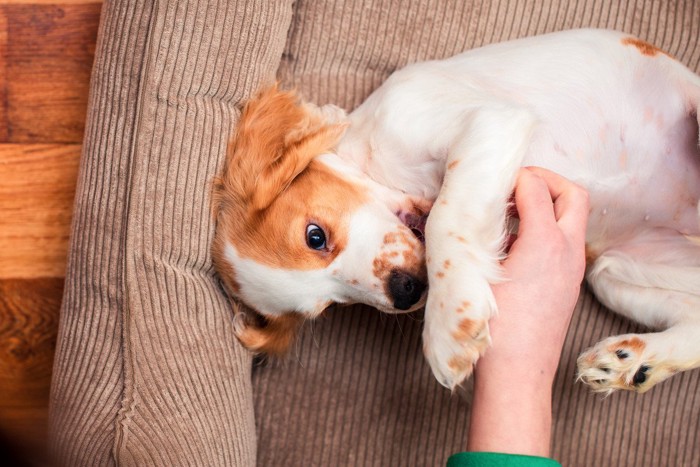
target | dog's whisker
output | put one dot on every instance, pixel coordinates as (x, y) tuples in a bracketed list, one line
[(398, 324), (317, 344)]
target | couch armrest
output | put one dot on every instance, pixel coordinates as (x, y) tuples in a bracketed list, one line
[(147, 368)]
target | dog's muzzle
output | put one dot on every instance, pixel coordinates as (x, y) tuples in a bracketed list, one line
[(405, 289)]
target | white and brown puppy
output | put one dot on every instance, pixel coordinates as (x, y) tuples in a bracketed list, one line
[(298, 229), (305, 220)]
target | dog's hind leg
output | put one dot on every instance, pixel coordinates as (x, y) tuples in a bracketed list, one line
[(637, 362), (655, 281)]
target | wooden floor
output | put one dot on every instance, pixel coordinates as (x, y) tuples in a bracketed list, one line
[(46, 54)]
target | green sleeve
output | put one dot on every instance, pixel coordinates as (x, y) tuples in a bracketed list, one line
[(494, 459)]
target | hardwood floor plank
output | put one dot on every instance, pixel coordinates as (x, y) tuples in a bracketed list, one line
[(3, 76), (46, 55), (36, 206), (29, 310), (48, 2), (49, 50)]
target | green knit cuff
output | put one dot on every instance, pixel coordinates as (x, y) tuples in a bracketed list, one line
[(494, 459)]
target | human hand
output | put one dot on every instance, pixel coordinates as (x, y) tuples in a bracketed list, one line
[(543, 272)]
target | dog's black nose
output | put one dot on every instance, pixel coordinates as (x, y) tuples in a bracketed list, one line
[(405, 289)]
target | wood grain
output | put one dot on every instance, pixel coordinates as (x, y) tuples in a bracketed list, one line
[(36, 204), (46, 55), (48, 2), (48, 52), (4, 122), (29, 311)]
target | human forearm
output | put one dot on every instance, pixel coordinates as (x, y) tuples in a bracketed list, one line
[(511, 410)]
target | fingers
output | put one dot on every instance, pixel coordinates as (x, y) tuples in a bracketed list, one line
[(534, 203), (570, 203)]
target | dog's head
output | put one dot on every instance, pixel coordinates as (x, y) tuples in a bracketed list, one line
[(299, 229)]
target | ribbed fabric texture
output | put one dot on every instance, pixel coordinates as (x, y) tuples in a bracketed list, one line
[(148, 370), (356, 391)]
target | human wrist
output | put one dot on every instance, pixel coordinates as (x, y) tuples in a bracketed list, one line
[(528, 333), (525, 369), (511, 411), (532, 362)]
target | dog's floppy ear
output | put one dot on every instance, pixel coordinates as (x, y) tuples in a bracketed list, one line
[(276, 138), (269, 335)]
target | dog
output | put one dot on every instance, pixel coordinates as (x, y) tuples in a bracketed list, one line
[(317, 207)]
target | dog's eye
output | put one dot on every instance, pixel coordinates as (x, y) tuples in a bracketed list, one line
[(315, 237)]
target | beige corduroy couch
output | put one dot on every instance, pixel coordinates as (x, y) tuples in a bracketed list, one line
[(148, 371)]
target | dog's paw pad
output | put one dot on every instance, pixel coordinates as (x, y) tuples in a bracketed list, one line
[(640, 376), (616, 363)]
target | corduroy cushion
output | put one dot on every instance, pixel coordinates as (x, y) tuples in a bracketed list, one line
[(147, 369), (356, 390)]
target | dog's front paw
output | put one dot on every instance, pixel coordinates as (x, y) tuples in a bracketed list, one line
[(619, 363), (454, 338)]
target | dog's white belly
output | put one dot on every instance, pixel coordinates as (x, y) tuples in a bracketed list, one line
[(616, 123), (641, 172)]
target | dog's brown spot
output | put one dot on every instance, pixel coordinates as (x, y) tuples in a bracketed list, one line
[(452, 164), (633, 343), (354, 282), (644, 47), (381, 265), (459, 238), (391, 237), (463, 307), (440, 274), (400, 244), (466, 329), (447, 264), (443, 202), (459, 364), (400, 237)]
